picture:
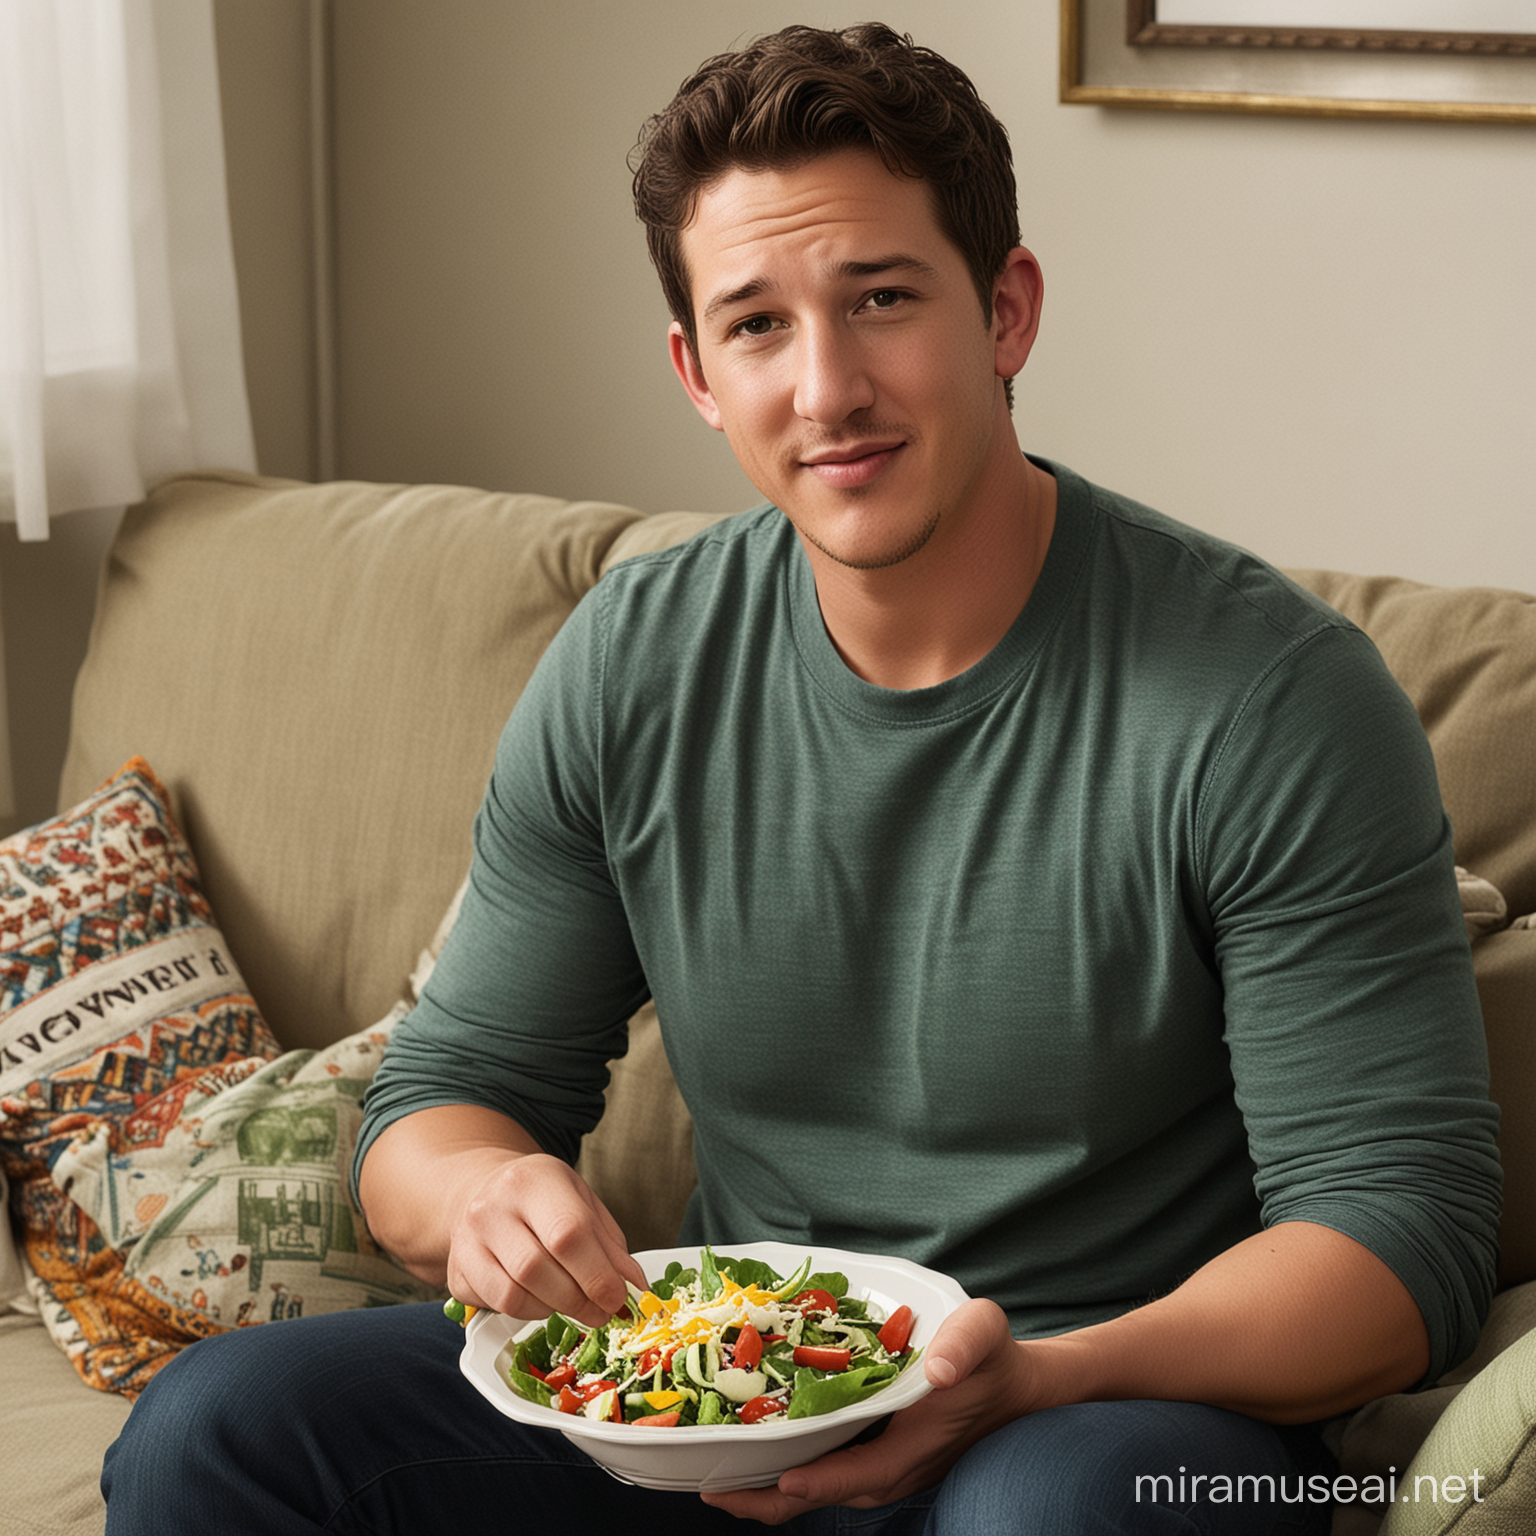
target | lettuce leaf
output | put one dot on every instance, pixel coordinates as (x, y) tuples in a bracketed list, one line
[(817, 1394), (523, 1381)]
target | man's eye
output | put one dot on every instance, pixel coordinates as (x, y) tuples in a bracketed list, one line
[(885, 298), (757, 325)]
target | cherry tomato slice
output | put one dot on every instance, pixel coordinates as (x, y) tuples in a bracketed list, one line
[(567, 1401), (756, 1408), (596, 1389), (897, 1330), (816, 1300), (561, 1375), (654, 1357), (659, 1420), (822, 1357), (749, 1348)]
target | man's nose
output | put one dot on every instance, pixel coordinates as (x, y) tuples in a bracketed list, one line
[(832, 379)]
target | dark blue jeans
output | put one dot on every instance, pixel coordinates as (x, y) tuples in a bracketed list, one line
[(361, 1422)]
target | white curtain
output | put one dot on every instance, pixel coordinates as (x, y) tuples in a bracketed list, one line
[(119, 331), (119, 325)]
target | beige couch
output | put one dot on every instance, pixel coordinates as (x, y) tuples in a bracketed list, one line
[(319, 675)]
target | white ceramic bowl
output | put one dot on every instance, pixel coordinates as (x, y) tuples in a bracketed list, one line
[(691, 1456)]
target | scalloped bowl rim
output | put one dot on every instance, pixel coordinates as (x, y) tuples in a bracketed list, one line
[(890, 1281)]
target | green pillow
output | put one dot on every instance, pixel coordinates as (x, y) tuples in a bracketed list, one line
[(1475, 1475)]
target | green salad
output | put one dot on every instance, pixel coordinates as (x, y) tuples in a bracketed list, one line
[(730, 1342)]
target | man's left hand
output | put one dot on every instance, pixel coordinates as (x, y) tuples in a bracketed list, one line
[(982, 1379)]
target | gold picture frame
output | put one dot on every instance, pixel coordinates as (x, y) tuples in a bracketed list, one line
[(1102, 65)]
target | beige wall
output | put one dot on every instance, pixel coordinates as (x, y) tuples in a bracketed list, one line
[(264, 82), (1315, 337), (47, 596)]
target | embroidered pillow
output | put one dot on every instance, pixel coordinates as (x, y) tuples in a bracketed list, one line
[(116, 992), (240, 1213)]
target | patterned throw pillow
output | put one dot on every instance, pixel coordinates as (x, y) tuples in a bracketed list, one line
[(241, 1213), (173, 1174), (117, 992)]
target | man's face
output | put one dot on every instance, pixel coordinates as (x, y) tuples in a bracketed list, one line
[(843, 351)]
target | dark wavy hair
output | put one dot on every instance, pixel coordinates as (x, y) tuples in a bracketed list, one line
[(804, 92)]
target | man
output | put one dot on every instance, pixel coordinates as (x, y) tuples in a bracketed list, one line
[(1027, 883)]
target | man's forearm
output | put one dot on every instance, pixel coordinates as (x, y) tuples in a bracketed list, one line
[(1294, 1324), (418, 1174)]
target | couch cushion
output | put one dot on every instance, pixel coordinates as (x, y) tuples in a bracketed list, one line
[(55, 1433), (320, 675), (1467, 658)]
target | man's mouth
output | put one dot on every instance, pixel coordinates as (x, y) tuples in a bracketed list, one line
[(853, 464)]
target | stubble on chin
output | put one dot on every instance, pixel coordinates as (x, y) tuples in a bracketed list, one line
[(874, 560)]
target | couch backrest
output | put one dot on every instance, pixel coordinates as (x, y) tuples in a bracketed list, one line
[(319, 674), (1466, 656)]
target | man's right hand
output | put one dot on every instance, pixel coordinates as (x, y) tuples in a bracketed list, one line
[(464, 1197), (533, 1238)]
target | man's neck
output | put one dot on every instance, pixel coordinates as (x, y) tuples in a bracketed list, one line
[(937, 613)]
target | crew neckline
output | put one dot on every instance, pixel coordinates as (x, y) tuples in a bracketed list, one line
[(1009, 659)]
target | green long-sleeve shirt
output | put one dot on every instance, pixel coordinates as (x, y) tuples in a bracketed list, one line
[(1061, 976)]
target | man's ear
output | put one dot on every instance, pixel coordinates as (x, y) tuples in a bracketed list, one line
[(1016, 299), (686, 366)]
